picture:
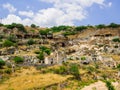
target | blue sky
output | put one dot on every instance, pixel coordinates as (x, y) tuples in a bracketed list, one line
[(47, 13)]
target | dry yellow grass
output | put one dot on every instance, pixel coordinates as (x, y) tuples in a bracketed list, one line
[(27, 80), (116, 57)]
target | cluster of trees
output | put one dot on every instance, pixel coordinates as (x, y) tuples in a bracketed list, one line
[(111, 25), (42, 51), (20, 27)]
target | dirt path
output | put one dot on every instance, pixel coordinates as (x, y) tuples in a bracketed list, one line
[(100, 86)]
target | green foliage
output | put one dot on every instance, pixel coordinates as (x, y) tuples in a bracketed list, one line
[(12, 38), (74, 70), (8, 71), (80, 28), (41, 56), (59, 28), (118, 66), (1, 24), (30, 42), (109, 85), (20, 27), (83, 58), (61, 70), (45, 32), (100, 26), (8, 43), (113, 25), (48, 51), (2, 63), (67, 33), (33, 25), (116, 40), (1, 36), (18, 59), (45, 49), (91, 69)]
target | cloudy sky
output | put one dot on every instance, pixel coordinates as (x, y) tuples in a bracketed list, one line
[(47, 13)]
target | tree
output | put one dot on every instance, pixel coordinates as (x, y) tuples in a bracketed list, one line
[(18, 59), (33, 25), (74, 70), (20, 27), (41, 56), (48, 51), (113, 25), (8, 43), (2, 63), (80, 28), (30, 42), (100, 26), (12, 38)]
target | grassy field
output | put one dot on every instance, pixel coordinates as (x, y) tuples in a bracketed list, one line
[(27, 79)]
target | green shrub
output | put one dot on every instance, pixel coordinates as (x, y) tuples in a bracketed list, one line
[(41, 56), (8, 71), (2, 63), (61, 70), (100, 26), (118, 66), (8, 43), (20, 27), (30, 42), (44, 32), (67, 33), (91, 69), (74, 70), (48, 51), (116, 40), (59, 28), (43, 48), (12, 38), (83, 58), (109, 85), (18, 59), (80, 28)]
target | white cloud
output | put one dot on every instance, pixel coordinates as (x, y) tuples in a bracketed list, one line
[(63, 12), (109, 4), (10, 7), (26, 13), (11, 18)]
